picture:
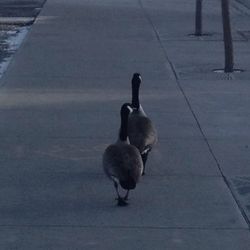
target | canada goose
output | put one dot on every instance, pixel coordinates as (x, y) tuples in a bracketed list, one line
[(122, 162), (141, 131)]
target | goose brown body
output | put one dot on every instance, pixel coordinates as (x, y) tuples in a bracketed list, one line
[(141, 131), (122, 162)]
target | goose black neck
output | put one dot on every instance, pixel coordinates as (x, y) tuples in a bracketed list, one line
[(123, 133), (135, 95)]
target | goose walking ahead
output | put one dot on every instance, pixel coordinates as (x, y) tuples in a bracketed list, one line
[(141, 131), (122, 162)]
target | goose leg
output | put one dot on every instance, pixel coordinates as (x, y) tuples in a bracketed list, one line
[(116, 188), (120, 200), (126, 196), (144, 160)]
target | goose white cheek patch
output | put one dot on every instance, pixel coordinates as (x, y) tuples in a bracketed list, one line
[(130, 109)]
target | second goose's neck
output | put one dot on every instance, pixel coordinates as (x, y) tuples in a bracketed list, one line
[(123, 133), (135, 96)]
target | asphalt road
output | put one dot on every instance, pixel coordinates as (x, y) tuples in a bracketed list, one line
[(20, 8), (14, 16)]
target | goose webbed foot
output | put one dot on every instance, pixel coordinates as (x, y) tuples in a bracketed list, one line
[(121, 202)]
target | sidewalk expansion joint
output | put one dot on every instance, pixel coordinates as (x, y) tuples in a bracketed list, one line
[(174, 71), (79, 226)]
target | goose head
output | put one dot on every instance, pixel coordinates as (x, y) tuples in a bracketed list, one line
[(129, 183), (124, 112), (136, 82)]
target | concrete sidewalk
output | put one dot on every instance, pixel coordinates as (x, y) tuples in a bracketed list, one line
[(59, 109)]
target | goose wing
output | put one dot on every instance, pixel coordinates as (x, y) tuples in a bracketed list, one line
[(141, 132), (121, 160)]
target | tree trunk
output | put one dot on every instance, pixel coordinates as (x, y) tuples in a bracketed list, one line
[(228, 43), (198, 18)]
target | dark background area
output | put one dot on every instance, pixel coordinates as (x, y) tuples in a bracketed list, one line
[(20, 8)]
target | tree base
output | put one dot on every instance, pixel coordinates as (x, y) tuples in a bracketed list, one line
[(223, 71), (200, 35)]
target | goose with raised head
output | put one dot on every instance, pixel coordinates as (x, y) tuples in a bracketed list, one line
[(141, 130), (122, 162)]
